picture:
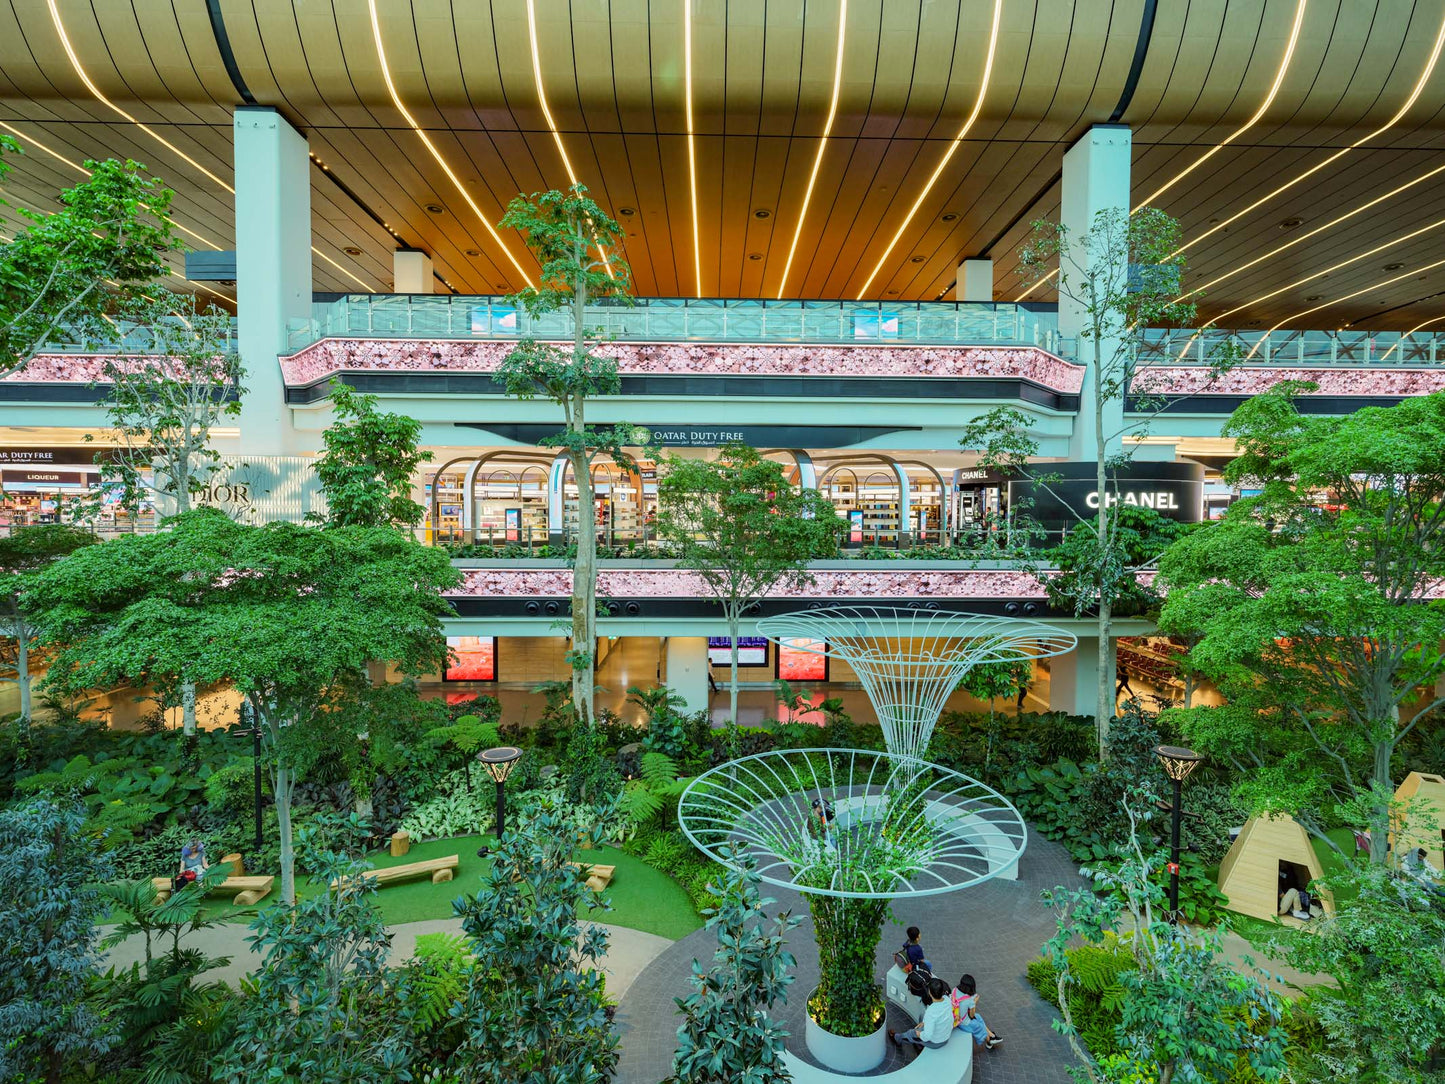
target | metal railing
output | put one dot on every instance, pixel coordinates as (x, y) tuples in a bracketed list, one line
[(131, 338), (424, 316), (1293, 348)]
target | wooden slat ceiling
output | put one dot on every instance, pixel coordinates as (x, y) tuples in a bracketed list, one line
[(614, 75)]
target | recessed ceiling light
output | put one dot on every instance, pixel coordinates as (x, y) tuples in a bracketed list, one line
[(755, 255), (917, 259), (433, 208), (892, 292), (1291, 223), (1212, 221), (627, 212), (473, 252), (762, 212), (949, 217), (351, 250), (1393, 266), (1313, 297)]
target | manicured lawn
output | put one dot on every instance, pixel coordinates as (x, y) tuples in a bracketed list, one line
[(642, 898), (1258, 930)]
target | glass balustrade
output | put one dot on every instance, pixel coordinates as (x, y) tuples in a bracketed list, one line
[(1292, 348)]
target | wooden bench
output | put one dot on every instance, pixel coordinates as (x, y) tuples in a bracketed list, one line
[(248, 889), (441, 869), (598, 877)]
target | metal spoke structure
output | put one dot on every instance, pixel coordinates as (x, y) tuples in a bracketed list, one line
[(910, 661), (898, 827)]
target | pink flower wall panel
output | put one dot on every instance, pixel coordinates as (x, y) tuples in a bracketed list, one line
[(333, 355), (679, 583)]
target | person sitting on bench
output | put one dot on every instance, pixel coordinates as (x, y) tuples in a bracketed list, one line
[(914, 951), (937, 1023), (192, 866), (1294, 899), (822, 820), (964, 999)]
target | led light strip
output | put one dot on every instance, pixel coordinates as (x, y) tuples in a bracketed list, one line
[(1401, 340), (94, 90), (691, 149), (952, 147), (547, 113), (1410, 101), (822, 143), (1368, 289), (1333, 267), (60, 157), (1317, 230), (431, 148), (1279, 75)]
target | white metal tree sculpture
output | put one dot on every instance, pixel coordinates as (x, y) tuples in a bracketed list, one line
[(911, 660)]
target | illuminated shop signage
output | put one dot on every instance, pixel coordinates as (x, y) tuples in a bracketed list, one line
[(1175, 490), (1161, 500)]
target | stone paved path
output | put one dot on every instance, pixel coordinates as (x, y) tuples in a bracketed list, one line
[(991, 932), (628, 955)]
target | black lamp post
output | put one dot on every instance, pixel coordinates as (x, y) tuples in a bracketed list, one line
[(499, 763), (1178, 763)]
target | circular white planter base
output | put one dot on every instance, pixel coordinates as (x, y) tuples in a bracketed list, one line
[(845, 1054)]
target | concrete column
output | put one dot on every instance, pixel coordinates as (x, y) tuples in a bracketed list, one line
[(1096, 178), (411, 272), (1074, 679), (975, 281), (273, 268), (687, 670)]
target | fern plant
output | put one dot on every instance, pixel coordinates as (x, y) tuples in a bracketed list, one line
[(657, 785), (438, 977), (466, 735)]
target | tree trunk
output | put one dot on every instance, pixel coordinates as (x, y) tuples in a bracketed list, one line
[(22, 667), (1106, 703), (734, 620), (1104, 707), (1381, 796), (188, 709), (284, 783), (584, 570)]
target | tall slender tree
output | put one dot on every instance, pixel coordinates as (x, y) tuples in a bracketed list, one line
[(1124, 275), (576, 243), (62, 273), (742, 526), (368, 463)]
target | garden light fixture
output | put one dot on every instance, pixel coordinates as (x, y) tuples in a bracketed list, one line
[(499, 763), (1178, 763)]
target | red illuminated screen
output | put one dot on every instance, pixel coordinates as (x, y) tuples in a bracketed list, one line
[(802, 660), (475, 658)]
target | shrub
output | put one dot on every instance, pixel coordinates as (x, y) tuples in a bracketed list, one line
[(230, 791), (452, 811)]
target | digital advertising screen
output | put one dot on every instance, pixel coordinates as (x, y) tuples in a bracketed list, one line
[(752, 651), (514, 524), (475, 658), (802, 660)]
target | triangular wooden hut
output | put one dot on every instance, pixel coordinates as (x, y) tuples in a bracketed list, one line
[(1250, 872), (1424, 822)]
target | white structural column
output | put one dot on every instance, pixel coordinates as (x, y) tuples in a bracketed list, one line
[(411, 272), (687, 670), (1074, 679), (1096, 178), (975, 281), (273, 267)]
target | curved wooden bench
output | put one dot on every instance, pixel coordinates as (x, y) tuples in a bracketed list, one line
[(441, 869), (598, 877), (248, 889)]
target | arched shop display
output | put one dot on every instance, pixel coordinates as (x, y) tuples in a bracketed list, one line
[(510, 505), (624, 502)]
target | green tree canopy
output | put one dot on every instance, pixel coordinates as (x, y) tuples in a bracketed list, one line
[(744, 528), (61, 273), (1313, 606), (287, 614), (24, 552), (368, 463)]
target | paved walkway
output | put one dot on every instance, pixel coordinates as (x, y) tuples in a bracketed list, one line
[(629, 952), (991, 932)]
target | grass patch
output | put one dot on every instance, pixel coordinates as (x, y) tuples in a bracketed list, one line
[(641, 897)]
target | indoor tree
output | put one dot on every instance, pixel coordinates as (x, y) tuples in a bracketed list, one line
[(1310, 605), (534, 1009), (367, 462), (23, 552), (1124, 275), (571, 237), (162, 405), (727, 1035), (745, 530), (288, 615), (50, 903), (62, 273)]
